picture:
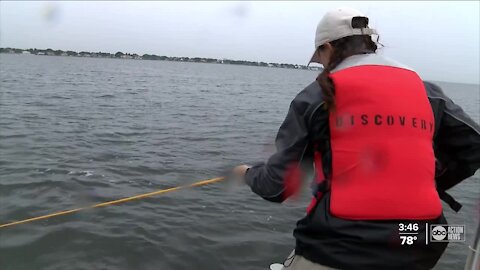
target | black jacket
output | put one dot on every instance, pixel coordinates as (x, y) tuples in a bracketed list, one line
[(346, 244)]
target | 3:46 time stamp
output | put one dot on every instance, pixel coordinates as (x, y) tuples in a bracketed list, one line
[(408, 227)]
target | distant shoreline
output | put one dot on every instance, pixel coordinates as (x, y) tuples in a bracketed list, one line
[(121, 55)]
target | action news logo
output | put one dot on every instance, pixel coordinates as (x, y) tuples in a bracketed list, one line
[(447, 233)]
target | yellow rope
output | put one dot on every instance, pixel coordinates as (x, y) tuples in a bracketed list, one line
[(141, 196)]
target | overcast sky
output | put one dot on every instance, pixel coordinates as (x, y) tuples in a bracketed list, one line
[(438, 39)]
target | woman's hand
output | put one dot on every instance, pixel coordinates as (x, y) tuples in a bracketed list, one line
[(240, 171)]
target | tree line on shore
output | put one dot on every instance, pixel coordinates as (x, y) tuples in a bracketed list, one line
[(121, 55)]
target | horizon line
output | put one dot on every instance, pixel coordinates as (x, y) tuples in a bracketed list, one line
[(146, 56), (191, 60)]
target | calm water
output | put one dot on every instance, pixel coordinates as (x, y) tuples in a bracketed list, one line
[(78, 131)]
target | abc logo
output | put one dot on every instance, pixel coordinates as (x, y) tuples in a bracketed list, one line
[(439, 233)]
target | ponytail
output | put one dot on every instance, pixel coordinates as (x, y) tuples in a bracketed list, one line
[(342, 48)]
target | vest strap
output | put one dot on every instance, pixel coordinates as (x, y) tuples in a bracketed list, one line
[(447, 198), (319, 189)]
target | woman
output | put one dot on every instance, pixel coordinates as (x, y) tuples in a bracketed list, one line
[(376, 135)]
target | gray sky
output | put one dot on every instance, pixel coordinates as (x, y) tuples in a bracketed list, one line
[(438, 39)]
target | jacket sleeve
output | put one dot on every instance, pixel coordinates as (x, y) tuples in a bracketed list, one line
[(269, 180), (456, 142)]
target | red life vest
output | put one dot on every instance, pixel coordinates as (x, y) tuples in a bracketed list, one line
[(381, 134)]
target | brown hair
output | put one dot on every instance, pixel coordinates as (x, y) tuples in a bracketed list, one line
[(342, 48)]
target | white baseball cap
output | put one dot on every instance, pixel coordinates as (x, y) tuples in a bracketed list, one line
[(336, 24)]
